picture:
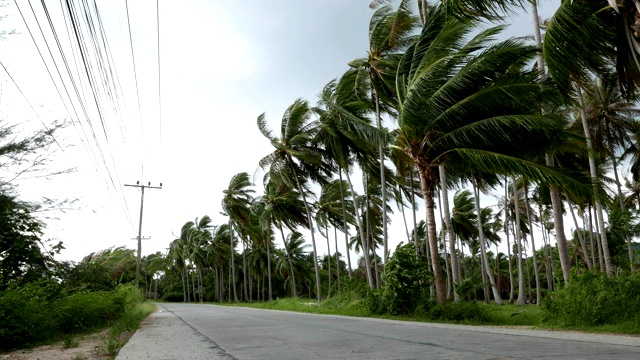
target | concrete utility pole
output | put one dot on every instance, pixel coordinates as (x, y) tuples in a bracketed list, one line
[(142, 187)]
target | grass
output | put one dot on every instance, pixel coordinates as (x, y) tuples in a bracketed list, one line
[(69, 341), (124, 328), (529, 316)]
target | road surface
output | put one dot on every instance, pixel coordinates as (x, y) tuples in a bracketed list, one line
[(192, 331)]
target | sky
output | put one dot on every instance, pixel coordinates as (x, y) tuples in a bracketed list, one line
[(190, 88)]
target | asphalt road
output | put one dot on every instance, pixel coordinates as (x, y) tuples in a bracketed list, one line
[(190, 331)]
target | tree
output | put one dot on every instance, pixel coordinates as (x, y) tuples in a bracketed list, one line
[(465, 102), (236, 205), (346, 135), (280, 206), (21, 258), (295, 159), (389, 34)]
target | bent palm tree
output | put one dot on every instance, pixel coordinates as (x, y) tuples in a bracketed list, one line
[(236, 204), (295, 159), (468, 103)]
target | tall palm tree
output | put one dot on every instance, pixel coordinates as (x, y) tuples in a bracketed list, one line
[(295, 159), (280, 206), (236, 205), (390, 32), (346, 135), (452, 94)]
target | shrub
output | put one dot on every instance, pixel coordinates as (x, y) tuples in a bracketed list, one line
[(25, 316), (82, 311), (595, 299), (404, 281)]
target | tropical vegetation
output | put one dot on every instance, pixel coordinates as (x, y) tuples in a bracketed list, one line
[(443, 103)]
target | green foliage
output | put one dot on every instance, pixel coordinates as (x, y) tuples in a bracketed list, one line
[(70, 341), (25, 316), (404, 281), (594, 299), (38, 312), (468, 312), (83, 311), (21, 259)]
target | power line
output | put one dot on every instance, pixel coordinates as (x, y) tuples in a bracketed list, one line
[(32, 108), (135, 73), (159, 77)]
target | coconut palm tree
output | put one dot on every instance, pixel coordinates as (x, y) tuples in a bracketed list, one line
[(329, 214), (293, 265), (236, 205), (452, 92), (295, 159), (346, 135), (280, 206), (390, 32)]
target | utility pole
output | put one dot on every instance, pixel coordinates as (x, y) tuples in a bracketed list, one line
[(142, 187)]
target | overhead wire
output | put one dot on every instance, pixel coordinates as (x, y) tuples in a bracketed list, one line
[(64, 103), (135, 73), (75, 24), (31, 106)]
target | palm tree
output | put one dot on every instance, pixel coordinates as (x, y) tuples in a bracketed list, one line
[(280, 206), (389, 34), (296, 159), (347, 136), (464, 102), (294, 261), (236, 205), (329, 213)]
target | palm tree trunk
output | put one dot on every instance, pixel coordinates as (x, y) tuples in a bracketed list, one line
[(193, 284), (184, 289), (313, 237), (335, 238), (627, 237), (365, 250), (583, 246), (329, 260), (521, 289), (556, 202), (404, 215), (232, 266), (455, 266), (603, 266), (483, 249), (591, 241), (186, 274), (383, 181), (533, 246), (428, 193), (345, 225), (244, 270), (594, 177), (294, 291), (512, 288), (414, 210), (443, 231), (269, 265)]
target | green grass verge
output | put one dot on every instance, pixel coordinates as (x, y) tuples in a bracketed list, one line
[(528, 316)]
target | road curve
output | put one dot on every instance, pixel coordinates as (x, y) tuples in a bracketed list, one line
[(192, 331)]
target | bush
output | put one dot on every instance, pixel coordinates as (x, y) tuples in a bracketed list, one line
[(404, 281), (39, 312), (25, 316), (82, 311), (595, 299)]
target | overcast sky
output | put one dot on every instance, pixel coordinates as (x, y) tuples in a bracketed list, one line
[(222, 63)]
